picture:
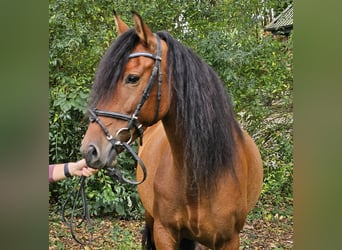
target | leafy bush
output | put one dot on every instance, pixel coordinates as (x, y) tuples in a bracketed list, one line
[(105, 195)]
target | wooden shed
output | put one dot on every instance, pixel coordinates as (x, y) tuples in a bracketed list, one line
[(282, 24)]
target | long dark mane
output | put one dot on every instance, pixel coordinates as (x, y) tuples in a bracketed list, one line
[(204, 110)]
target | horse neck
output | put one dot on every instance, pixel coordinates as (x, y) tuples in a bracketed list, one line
[(185, 174), (175, 137), (177, 143)]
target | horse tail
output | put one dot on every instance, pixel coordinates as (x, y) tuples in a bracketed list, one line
[(186, 244), (147, 242)]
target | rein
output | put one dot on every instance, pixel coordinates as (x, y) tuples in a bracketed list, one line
[(132, 123), (85, 215), (80, 191)]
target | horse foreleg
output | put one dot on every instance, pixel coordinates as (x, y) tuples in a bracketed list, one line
[(147, 239), (201, 247), (232, 244), (164, 238)]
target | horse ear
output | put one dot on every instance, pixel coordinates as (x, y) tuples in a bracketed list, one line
[(120, 25), (143, 31)]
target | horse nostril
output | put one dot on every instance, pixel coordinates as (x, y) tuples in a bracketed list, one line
[(92, 151), (92, 155)]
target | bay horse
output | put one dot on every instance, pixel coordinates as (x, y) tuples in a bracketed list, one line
[(204, 172)]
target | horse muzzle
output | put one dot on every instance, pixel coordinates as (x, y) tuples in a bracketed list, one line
[(100, 158)]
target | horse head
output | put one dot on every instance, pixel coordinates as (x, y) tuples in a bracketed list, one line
[(130, 92)]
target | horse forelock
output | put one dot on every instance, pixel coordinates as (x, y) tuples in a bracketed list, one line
[(111, 68), (204, 113)]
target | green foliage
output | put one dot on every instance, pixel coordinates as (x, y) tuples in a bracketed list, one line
[(105, 195), (256, 69)]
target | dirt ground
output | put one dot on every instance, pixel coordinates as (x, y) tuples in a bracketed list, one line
[(271, 232)]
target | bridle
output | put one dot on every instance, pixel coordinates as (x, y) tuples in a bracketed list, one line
[(132, 123), (133, 119)]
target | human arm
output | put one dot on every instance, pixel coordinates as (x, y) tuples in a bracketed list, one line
[(79, 168)]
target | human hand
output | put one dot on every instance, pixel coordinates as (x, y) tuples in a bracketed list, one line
[(80, 168)]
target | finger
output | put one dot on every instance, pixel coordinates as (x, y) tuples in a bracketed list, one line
[(88, 171)]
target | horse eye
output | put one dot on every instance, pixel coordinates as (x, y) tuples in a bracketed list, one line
[(132, 79)]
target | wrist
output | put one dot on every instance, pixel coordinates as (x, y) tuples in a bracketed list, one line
[(67, 170)]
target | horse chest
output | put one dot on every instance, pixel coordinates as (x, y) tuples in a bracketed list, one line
[(197, 216)]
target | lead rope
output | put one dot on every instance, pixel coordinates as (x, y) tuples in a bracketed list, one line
[(112, 172), (85, 215)]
